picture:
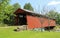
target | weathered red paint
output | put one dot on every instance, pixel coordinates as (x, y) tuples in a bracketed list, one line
[(45, 22), (52, 23), (33, 22)]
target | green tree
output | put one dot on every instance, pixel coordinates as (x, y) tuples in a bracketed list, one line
[(28, 7), (16, 6), (3, 4), (6, 12), (52, 14), (58, 19), (55, 15), (9, 12)]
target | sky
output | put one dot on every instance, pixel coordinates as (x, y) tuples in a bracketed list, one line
[(39, 5)]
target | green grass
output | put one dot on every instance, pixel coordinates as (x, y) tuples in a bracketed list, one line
[(9, 33)]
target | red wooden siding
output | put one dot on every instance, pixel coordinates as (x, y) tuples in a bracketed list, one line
[(33, 22), (52, 23), (44, 22), (47, 22)]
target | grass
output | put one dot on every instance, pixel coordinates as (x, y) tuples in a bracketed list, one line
[(9, 33)]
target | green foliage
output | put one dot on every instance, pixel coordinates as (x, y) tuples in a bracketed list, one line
[(55, 15), (3, 4), (52, 14), (6, 12), (9, 10), (16, 6), (58, 19), (28, 7)]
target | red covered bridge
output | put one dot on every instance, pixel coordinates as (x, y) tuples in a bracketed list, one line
[(32, 19)]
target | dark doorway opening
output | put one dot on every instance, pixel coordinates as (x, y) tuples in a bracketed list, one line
[(22, 19)]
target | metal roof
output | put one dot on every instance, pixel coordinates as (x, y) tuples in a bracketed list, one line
[(34, 13)]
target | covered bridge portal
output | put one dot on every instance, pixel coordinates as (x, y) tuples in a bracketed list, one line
[(32, 20)]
